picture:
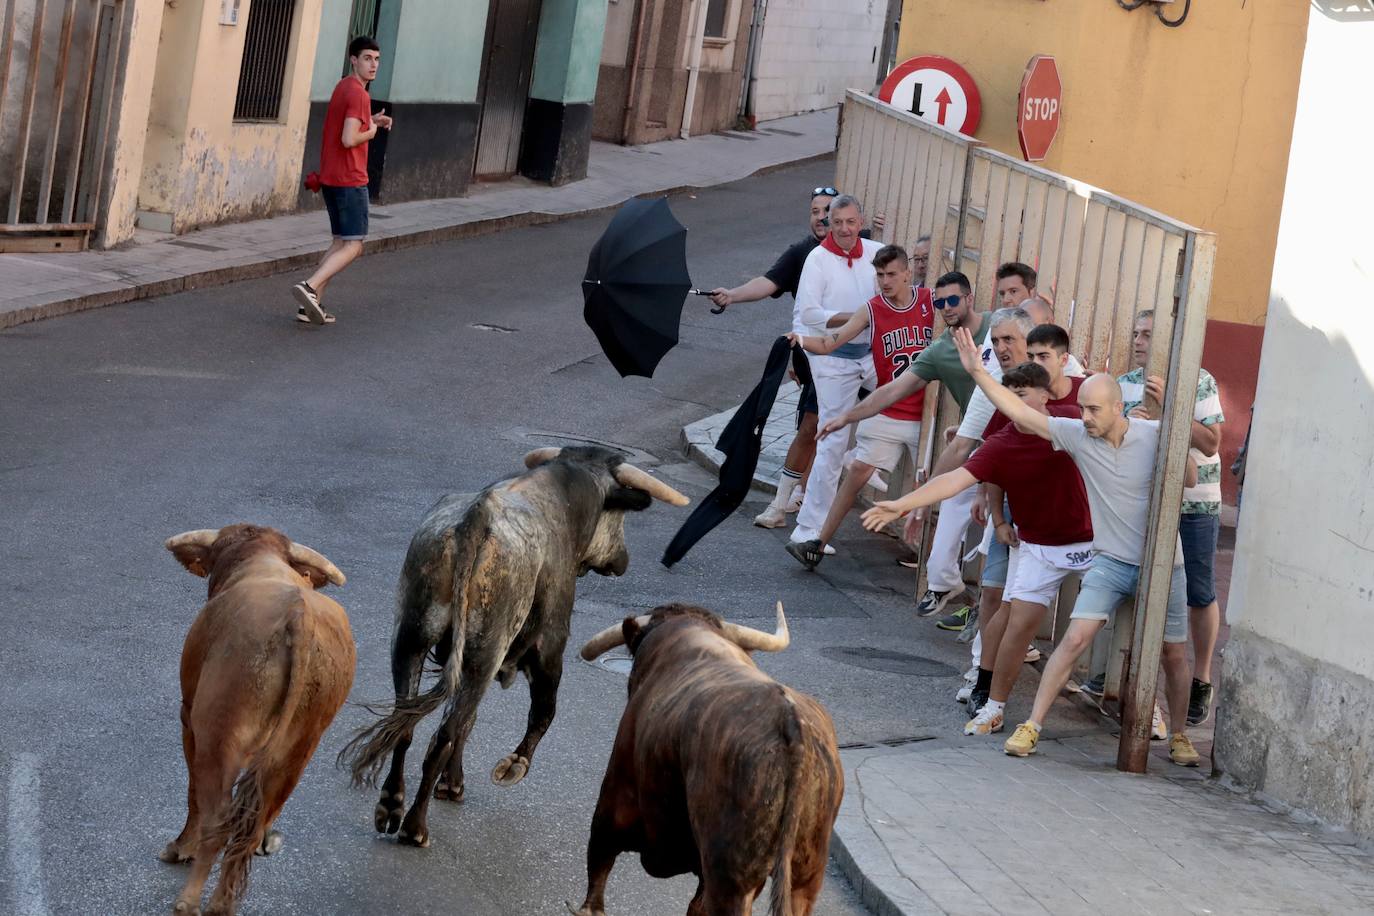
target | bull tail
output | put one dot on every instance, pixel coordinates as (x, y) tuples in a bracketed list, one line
[(780, 898), (239, 828), (366, 754)]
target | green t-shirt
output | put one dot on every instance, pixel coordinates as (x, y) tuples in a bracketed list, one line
[(939, 362)]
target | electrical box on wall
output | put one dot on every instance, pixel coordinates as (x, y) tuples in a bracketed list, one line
[(228, 12)]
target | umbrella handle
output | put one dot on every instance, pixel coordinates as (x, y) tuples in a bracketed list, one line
[(706, 292)]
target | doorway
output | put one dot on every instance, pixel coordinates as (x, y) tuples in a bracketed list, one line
[(507, 65)]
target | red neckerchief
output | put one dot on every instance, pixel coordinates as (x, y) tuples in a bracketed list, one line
[(830, 245)]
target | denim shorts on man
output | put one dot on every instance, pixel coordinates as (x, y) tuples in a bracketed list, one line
[(1108, 582), (1199, 534), (347, 212), (998, 554)]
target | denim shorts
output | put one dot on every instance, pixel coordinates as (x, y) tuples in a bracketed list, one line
[(995, 566), (1199, 536), (347, 212), (1108, 582)]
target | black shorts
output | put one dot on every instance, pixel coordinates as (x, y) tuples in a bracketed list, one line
[(807, 403)]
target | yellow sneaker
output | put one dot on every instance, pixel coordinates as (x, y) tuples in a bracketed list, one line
[(1022, 741), (1182, 752)]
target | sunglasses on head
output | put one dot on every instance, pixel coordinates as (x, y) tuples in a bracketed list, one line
[(827, 192), (947, 301)]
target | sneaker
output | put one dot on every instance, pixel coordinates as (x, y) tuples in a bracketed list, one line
[(794, 502), (1032, 654), (877, 483), (976, 701), (1023, 741), (771, 517), (932, 603), (910, 561), (970, 629), (302, 317), (1199, 702), (1182, 752), (986, 722), (964, 693), (1095, 687), (807, 553), (955, 622), (309, 302), (1158, 730)]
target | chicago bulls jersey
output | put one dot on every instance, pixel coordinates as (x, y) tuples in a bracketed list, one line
[(899, 334)]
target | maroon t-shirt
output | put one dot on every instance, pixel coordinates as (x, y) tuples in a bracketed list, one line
[(999, 419), (1046, 494), (341, 167)]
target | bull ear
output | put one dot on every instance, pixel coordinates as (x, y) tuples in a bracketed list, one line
[(627, 499), (315, 566), (631, 629), (192, 550)]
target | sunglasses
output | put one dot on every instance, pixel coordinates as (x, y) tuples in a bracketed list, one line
[(828, 192), (947, 302)]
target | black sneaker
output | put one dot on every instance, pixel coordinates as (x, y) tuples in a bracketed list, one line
[(1095, 687), (932, 603), (909, 561), (808, 553), (309, 301), (976, 700), (1199, 702), (302, 317), (970, 625), (956, 621)]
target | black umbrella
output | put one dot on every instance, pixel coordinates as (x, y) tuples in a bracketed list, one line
[(635, 285)]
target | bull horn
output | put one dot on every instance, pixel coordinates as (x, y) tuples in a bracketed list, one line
[(751, 640), (201, 537), (627, 475), (540, 456), (304, 555), (608, 639)]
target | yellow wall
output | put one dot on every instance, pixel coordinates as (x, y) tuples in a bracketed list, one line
[(200, 166), (127, 146), (1194, 121)]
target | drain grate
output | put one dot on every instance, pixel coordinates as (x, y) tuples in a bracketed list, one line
[(874, 659)]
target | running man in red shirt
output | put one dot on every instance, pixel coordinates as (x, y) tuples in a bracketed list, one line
[(348, 125), (900, 332), (1052, 537)]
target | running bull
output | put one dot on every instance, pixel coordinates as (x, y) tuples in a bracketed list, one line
[(717, 769), (266, 665), (487, 590)]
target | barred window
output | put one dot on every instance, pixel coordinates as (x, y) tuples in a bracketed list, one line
[(265, 48)]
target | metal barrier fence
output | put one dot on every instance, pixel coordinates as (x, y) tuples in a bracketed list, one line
[(1102, 259)]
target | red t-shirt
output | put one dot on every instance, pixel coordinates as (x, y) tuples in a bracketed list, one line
[(999, 420), (899, 334), (1046, 494), (341, 167)]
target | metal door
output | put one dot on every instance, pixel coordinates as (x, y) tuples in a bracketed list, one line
[(507, 63), (57, 63)]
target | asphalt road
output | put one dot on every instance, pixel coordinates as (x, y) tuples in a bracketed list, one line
[(123, 426)]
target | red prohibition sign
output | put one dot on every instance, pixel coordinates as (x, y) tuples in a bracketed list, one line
[(934, 105)]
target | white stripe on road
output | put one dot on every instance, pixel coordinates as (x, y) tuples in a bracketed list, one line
[(26, 864)]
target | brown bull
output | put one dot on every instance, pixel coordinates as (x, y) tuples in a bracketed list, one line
[(266, 665), (717, 769)]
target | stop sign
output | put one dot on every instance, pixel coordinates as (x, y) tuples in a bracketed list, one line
[(1037, 109)]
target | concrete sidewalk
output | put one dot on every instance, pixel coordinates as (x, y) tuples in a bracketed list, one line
[(46, 285)]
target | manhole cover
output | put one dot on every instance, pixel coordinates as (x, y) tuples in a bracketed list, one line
[(889, 661), (616, 664)]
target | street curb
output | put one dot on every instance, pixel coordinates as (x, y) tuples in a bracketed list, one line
[(221, 276), (870, 894)]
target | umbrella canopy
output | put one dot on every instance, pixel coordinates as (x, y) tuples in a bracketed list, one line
[(635, 285)]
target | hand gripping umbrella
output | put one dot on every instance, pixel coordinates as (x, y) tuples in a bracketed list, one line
[(635, 285)]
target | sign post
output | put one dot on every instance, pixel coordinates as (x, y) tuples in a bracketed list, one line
[(935, 89), (1038, 107)]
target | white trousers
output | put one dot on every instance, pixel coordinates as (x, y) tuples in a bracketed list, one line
[(837, 389), (943, 568)]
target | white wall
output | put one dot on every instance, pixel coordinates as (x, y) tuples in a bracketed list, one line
[(812, 51), (1304, 568)]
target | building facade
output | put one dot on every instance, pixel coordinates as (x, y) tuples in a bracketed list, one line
[(1298, 678)]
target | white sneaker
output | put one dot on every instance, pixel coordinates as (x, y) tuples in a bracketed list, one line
[(877, 483), (1032, 654), (794, 503), (771, 517), (1158, 730), (986, 722), (964, 693)]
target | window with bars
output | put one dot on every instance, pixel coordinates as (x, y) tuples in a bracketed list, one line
[(266, 44)]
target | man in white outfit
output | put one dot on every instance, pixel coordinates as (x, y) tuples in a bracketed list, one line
[(838, 278)]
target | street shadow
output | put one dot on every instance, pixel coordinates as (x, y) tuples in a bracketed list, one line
[(1345, 10)]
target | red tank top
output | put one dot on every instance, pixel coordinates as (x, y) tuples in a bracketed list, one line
[(899, 334)]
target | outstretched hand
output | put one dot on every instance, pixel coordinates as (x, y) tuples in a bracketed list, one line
[(883, 512), (832, 426)]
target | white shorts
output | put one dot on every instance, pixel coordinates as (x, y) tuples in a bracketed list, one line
[(881, 440), (1035, 572)]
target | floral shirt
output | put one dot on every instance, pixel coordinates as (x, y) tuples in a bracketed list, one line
[(1205, 498)]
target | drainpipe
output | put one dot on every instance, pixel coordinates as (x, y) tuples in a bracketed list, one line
[(636, 56), (746, 95), (698, 36)]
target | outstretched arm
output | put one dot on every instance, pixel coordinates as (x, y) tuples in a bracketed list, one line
[(903, 386), (934, 490), (756, 289), (852, 328), (1004, 399)]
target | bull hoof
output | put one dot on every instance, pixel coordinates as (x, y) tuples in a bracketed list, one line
[(583, 910), (445, 792), (418, 839), (272, 843), (510, 770), (173, 855), (387, 815), (186, 908)]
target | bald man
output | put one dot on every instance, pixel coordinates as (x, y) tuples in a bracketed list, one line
[(1115, 456)]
